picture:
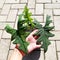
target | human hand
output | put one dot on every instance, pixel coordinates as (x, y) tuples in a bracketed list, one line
[(32, 40)]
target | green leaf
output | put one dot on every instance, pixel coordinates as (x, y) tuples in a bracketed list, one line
[(19, 20), (43, 38), (23, 44), (48, 21), (13, 36), (49, 28), (44, 33), (49, 34), (17, 40), (37, 24), (38, 33), (10, 30)]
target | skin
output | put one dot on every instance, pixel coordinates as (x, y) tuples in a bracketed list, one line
[(32, 40)]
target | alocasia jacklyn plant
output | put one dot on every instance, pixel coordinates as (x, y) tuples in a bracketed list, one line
[(25, 25)]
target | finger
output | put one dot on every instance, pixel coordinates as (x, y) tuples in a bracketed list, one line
[(31, 39), (38, 46), (33, 32), (31, 36)]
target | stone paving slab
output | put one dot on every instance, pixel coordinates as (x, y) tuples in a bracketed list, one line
[(4, 48), (9, 11), (51, 53)]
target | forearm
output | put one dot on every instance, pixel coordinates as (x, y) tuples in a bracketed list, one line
[(16, 55)]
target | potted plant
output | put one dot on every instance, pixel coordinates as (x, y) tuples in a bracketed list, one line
[(25, 25)]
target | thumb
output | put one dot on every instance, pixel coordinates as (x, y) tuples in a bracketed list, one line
[(38, 46)]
